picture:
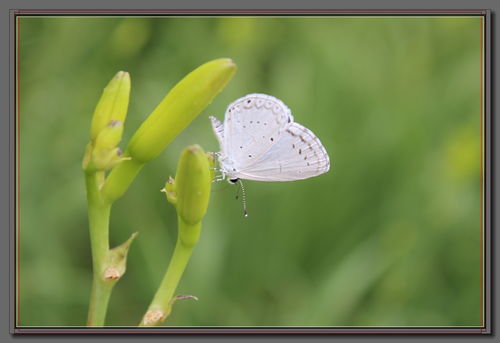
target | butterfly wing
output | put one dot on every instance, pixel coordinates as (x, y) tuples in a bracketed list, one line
[(298, 154), (252, 126), (218, 128)]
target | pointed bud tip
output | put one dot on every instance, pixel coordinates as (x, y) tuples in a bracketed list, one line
[(229, 61), (121, 75), (194, 148), (183, 103), (113, 103)]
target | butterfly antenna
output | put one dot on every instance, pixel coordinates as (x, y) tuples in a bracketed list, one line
[(243, 198), (238, 193)]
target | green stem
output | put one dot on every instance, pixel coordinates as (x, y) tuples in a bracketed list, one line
[(179, 261), (162, 300), (120, 178), (98, 212), (99, 299)]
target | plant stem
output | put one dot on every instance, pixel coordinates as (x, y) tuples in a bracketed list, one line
[(98, 212), (176, 268), (120, 178), (162, 300), (99, 299)]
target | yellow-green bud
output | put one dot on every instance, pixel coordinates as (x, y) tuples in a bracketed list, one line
[(113, 104), (109, 136), (179, 107), (192, 185), (103, 153), (104, 159)]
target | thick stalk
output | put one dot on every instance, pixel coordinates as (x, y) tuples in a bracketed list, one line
[(161, 306), (98, 212), (120, 178)]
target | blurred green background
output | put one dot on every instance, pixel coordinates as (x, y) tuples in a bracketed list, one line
[(389, 237)]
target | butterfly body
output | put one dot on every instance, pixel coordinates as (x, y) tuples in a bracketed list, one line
[(259, 140)]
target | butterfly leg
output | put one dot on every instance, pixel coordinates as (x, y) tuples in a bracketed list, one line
[(220, 177)]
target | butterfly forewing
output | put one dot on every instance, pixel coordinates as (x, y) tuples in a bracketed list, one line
[(218, 128), (252, 126), (298, 154)]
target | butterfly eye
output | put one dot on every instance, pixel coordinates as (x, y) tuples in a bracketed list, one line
[(247, 104)]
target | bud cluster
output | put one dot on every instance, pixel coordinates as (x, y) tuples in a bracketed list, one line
[(106, 130)]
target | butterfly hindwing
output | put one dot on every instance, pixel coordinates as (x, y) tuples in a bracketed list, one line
[(298, 154)]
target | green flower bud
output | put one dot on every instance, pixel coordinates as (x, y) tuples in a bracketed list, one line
[(103, 153), (179, 107), (113, 103), (192, 185), (104, 159), (109, 136)]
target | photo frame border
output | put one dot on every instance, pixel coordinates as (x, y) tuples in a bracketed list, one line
[(486, 121)]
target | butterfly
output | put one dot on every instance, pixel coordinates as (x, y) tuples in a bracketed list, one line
[(260, 141)]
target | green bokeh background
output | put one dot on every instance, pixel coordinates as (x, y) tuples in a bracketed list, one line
[(389, 237)]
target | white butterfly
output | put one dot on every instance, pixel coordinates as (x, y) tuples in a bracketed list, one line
[(260, 141)]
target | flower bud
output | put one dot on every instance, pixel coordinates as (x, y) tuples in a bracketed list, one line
[(179, 107), (113, 104), (109, 136), (104, 159), (192, 185), (103, 153)]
